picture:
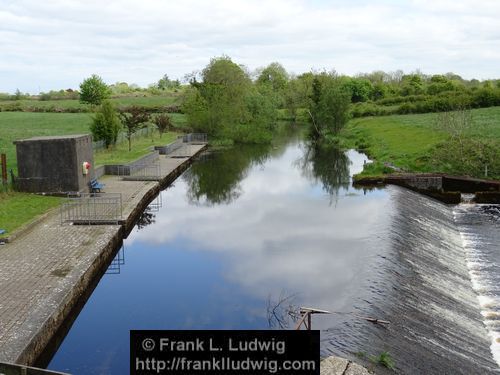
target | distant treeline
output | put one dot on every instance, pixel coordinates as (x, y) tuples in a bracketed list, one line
[(372, 94), (380, 93), (459, 94)]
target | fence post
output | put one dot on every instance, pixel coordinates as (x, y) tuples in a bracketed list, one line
[(4, 169)]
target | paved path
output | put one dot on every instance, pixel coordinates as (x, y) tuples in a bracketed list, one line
[(42, 270)]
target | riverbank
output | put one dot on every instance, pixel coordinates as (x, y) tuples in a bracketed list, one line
[(418, 144), (48, 269)]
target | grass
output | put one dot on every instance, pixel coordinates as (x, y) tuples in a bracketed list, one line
[(140, 147), (17, 209), (407, 141), (383, 359), (20, 125), (140, 99)]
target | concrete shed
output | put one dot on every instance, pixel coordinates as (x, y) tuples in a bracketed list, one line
[(54, 164)]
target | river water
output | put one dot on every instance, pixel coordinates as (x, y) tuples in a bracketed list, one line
[(245, 228)]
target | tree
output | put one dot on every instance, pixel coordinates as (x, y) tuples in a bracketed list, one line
[(166, 83), (134, 119), (106, 125), (464, 152), (272, 81), (292, 99), (18, 95), (329, 107), (273, 75), (361, 89), (412, 84), (163, 123), (93, 90), (225, 104)]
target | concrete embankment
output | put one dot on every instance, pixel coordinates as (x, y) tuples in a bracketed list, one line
[(447, 189), (50, 269)]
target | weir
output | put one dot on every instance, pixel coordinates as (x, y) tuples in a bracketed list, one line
[(424, 290), (479, 227)]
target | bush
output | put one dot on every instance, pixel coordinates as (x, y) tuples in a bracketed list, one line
[(486, 97), (106, 124)]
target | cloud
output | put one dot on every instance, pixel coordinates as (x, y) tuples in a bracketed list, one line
[(55, 44), (280, 234)]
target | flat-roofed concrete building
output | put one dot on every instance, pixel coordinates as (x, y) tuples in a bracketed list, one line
[(54, 164)]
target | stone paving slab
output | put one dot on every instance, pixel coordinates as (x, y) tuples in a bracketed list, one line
[(341, 366), (41, 269)]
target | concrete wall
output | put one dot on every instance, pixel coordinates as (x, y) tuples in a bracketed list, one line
[(125, 169), (54, 164), (165, 150), (99, 172), (469, 185)]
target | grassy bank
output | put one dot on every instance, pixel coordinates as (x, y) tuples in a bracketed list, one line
[(17, 209), (409, 141), (140, 147)]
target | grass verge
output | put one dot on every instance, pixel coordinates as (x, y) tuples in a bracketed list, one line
[(17, 209)]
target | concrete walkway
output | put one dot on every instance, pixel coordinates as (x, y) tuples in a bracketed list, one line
[(340, 366), (45, 270)]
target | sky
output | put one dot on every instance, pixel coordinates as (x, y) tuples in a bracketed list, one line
[(55, 44)]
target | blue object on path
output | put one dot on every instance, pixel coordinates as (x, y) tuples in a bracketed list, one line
[(95, 186)]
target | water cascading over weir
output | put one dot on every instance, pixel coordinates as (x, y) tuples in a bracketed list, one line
[(424, 289)]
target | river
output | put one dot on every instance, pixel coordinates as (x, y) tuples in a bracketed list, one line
[(248, 227)]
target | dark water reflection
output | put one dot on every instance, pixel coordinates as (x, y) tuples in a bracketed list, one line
[(239, 227)]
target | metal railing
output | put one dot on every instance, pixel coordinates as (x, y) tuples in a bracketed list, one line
[(156, 204), (116, 264), (93, 208), (146, 170), (122, 137), (136, 170), (195, 137), (13, 369)]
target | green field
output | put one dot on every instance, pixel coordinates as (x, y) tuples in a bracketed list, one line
[(20, 125), (140, 99), (407, 141)]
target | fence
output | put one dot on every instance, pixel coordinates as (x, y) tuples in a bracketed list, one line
[(135, 171), (94, 208), (187, 138), (195, 137), (145, 170), (122, 137), (156, 204), (133, 167), (171, 147), (116, 264)]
